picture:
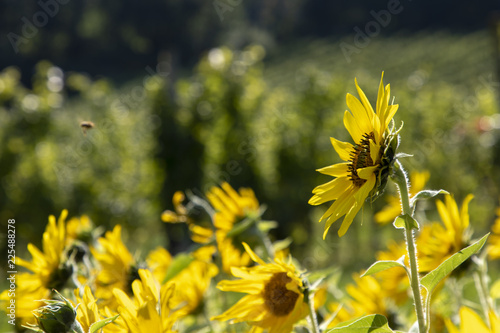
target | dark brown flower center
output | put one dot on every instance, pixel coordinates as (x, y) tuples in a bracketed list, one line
[(279, 300), (361, 158)]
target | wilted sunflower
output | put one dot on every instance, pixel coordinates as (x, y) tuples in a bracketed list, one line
[(437, 243), (275, 299), (366, 168)]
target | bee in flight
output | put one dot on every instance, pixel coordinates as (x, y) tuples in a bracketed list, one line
[(86, 125)]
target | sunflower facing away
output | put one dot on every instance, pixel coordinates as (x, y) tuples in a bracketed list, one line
[(275, 299), (366, 163)]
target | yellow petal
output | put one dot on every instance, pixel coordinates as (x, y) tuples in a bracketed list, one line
[(366, 173), (374, 151), (361, 114), (252, 254), (336, 170), (344, 149), (364, 100), (335, 188), (464, 213), (352, 127)]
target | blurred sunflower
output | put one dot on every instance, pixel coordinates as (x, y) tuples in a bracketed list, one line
[(79, 229), (193, 282), (87, 312), (394, 281), (117, 267), (470, 321), (49, 270), (231, 207), (158, 262), (393, 208), (437, 243), (150, 310), (366, 168), (366, 297), (199, 233), (494, 239), (275, 299)]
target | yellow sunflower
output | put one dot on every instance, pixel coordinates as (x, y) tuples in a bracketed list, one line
[(393, 208), (193, 281), (150, 311), (367, 162), (394, 281), (49, 270), (275, 299), (367, 296), (436, 242), (117, 267), (470, 321), (494, 239), (231, 207)]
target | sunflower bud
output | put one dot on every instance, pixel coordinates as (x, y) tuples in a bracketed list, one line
[(56, 317)]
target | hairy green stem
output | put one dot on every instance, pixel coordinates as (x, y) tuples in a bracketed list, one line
[(402, 183), (312, 314)]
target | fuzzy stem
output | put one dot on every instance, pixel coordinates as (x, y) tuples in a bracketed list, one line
[(312, 314), (402, 182)]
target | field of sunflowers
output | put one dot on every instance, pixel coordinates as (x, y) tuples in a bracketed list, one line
[(284, 192)]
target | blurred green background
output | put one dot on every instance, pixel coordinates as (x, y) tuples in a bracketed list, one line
[(187, 94)]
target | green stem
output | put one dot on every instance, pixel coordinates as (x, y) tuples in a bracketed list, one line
[(402, 183), (312, 313)]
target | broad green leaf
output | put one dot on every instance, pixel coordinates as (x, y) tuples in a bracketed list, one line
[(95, 327), (180, 262), (427, 194), (401, 221), (382, 265), (373, 323), (432, 279)]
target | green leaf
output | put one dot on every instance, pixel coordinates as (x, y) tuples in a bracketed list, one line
[(95, 327), (382, 265), (427, 194), (432, 279), (373, 323), (403, 220), (180, 262)]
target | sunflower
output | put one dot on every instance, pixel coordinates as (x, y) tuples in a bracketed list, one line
[(49, 269), (394, 281), (150, 311), (367, 296), (181, 214), (275, 299), (470, 321), (231, 207), (436, 242), (367, 162), (393, 208), (494, 240), (117, 266), (193, 281)]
